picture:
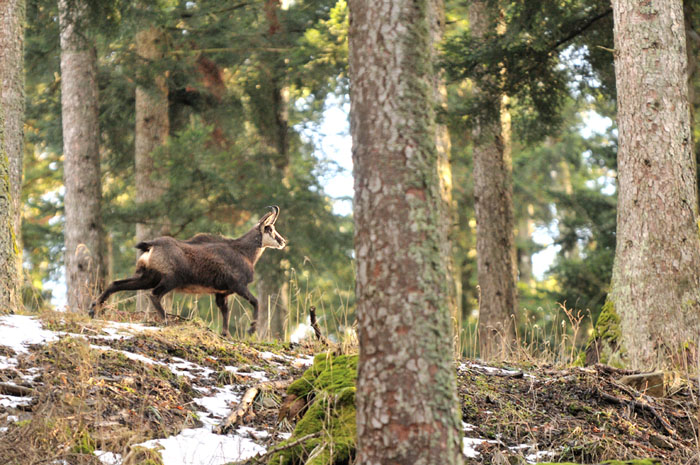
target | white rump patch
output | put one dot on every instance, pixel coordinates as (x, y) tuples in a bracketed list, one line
[(144, 258)]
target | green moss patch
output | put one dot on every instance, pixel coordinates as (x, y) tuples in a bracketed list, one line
[(329, 386), (605, 343)]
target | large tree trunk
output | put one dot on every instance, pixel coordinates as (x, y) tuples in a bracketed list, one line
[(152, 128), (9, 276), (493, 205), (12, 14), (83, 254), (656, 275), (406, 391)]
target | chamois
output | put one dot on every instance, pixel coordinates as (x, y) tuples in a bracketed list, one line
[(204, 264)]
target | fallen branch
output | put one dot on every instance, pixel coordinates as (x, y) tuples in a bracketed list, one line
[(238, 413), (639, 406), (263, 457), (243, 408), (14, 390), (314, 325)]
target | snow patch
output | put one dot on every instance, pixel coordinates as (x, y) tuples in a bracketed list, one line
[(14, 401), (302, 332), (259, 375), (108, 458), (469, 446), (26, 331), (201, 446), (535, 457), (182, 367), (304, 361), (218, 405)]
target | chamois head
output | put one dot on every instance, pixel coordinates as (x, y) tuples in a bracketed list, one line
[(270, 237)]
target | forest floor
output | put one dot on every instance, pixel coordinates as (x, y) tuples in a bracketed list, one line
[(78, 391)]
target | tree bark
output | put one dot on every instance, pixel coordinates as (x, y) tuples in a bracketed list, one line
[(12, 15), (525, 230), (692, 40), (79, 102), (406, 397), (656, 277), (272, 298), (449, 216), (151, 132), (9, 278), (493, 205)]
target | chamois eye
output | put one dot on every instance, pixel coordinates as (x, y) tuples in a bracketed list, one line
[(268, 229)]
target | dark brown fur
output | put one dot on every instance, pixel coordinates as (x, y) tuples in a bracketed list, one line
[(204, 264)]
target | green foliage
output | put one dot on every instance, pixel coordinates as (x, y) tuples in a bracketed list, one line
[(524, 59)]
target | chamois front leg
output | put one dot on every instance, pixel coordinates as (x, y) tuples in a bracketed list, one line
[(245, 293), (221, 303)]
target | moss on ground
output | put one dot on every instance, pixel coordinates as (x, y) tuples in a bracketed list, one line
[(330, 381)]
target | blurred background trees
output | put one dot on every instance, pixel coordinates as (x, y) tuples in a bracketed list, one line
[(247, 85)]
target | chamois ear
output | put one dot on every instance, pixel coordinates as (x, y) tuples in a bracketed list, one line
[(275, 212), (269, 217)]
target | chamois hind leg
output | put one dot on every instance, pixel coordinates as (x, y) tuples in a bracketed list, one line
[(221, 303), (245, 293), (156, 294), (134, 283)]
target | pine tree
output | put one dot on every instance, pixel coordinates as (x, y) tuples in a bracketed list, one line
[(9, 279), (656, 277), (12, 16), (81, 136), (406, 384), (493, 202), (151, 132)]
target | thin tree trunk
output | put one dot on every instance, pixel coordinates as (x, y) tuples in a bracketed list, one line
[(406, 390), (271, 277), (525, 230), (152, 128), (443, 146), (272, 298), (83, 254), (12, 15), (493, 205), (656, 277)]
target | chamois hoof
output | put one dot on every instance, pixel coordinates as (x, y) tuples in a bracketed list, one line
[(91, 311)]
